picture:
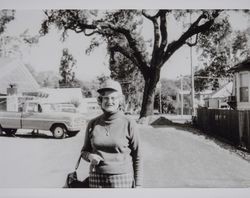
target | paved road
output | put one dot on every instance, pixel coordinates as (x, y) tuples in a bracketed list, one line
[(173, 157), (177, 158)]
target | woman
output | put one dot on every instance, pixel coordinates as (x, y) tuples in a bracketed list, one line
[(112, 144)]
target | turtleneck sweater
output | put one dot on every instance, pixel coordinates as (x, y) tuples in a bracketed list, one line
[(115, 138)]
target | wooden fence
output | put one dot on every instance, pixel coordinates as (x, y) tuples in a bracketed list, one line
[(232, 125)]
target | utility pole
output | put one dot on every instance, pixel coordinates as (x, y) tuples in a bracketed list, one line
[(181, 96), (160, 105), (192, 77)]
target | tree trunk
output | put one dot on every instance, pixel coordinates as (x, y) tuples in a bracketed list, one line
[(149, 94)]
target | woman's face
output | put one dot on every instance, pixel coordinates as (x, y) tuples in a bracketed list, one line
[(110, 101)]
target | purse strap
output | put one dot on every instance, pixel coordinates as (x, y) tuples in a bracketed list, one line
[(78, 162)]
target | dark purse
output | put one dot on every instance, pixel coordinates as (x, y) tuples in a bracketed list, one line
[(72, 180)]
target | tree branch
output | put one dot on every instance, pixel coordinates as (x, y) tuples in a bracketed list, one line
[(157, 37), (149, 16), (132, 44), (163, 27), (124, 52), (193, 29), (193, 44), (91, 33)]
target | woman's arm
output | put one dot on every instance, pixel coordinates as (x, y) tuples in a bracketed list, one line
[(136, 153), (86, 149)]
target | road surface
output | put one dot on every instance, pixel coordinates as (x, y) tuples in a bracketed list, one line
[(173, 157)]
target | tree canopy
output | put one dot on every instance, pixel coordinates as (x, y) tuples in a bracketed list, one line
[(66, 69), (221, 48), (122, 32), (5, 17)]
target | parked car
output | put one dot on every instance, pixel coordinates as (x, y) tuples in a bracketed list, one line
[(36, 115)]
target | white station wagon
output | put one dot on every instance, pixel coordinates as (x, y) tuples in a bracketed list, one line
[(36, 115)]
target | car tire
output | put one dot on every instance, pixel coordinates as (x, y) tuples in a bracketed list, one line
[(1, 130), (59, 131), (10, 132)]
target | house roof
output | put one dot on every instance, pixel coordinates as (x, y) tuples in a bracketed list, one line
[(13, 71), (245, 65), (225, 91)]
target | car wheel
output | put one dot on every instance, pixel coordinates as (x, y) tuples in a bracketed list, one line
[(59, 131), (1, 130), (10, 132)]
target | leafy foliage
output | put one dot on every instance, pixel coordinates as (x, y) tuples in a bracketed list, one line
[(221, 48), (48, 79), (66, 70), (5, 17), (169, 90), (123, 70), (14, 46), (121, 31)]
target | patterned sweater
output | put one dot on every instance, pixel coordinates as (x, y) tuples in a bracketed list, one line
[(116, 139)]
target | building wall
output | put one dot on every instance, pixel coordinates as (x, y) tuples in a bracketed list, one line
[(242, 105)]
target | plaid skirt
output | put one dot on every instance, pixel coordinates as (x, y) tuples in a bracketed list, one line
[(99, 180)]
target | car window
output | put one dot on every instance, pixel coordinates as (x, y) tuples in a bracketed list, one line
[(32, 107), (48, 107)]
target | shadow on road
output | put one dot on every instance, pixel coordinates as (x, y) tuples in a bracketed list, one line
[(222, 142), (31, 136)]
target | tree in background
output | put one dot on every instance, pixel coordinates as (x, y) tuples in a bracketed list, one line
[(102, 78), (66, 70), (5, 17), (123, 70), (121, 30), (169, 93), (13, 46), (48, 79), (221, 48)]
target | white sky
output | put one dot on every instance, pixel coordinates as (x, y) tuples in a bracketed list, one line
[(47, 53)]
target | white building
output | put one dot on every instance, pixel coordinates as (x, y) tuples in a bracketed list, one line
[(240, 99)]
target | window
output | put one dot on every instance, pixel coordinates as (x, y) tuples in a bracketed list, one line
[(244, 82), (32, 107)]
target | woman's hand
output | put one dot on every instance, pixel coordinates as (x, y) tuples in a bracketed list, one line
[(95, 159)]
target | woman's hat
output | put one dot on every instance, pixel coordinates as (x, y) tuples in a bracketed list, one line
[(110, 85)]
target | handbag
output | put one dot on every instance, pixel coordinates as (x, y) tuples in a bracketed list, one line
[(73, 182)]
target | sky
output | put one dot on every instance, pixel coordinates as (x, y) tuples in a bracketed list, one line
[(46, 54)]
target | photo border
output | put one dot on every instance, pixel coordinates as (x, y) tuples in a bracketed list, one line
[(134, 4)]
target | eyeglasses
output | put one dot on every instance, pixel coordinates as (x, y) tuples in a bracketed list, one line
[(112, 98)]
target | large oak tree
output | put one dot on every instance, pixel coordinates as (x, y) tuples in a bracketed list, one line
[(121, 30)]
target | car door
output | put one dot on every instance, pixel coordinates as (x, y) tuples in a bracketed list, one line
[(34, 118), (10, 120)]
